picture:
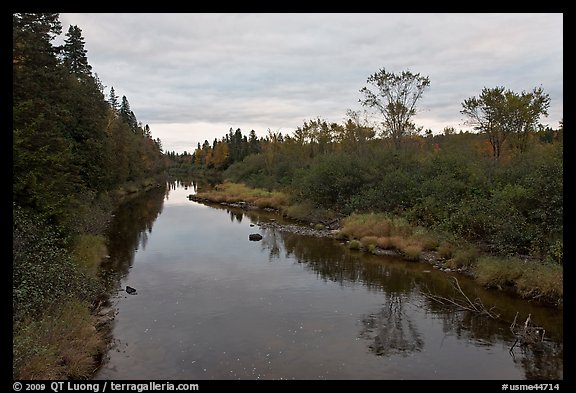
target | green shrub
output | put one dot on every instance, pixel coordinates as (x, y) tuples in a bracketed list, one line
[(43, 270), (354, 245), (556, 253), (464, 257), (412, 252)]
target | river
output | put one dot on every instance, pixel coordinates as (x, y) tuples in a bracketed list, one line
[(210, 304)]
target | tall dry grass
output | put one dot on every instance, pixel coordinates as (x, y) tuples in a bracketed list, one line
[(237, 192), (380, 230), (61, 344), (531, 280)]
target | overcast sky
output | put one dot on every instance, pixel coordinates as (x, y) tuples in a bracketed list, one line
[(192, 77)]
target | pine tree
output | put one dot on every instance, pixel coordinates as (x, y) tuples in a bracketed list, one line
[(74, 53), (113, 100), (34, 59), (127, 115)]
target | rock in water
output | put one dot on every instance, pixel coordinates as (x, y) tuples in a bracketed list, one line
[(255, 237), (130, 290)]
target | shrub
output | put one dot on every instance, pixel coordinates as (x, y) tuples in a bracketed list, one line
[(445, 250), (369, 240), (412, 252), (43, 270), (464, 257), (556, 252), (531, 280), (384, 242), (354, 245)]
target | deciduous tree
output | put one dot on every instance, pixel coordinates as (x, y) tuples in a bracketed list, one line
[(395, 96), (501, 113)]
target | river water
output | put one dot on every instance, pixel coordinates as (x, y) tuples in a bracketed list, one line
[(210, 304)]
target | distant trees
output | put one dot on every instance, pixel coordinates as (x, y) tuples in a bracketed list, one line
[(127, 115), (395, 96), (231, 148), (502, 113)]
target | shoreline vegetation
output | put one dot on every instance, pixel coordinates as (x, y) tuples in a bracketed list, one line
[(69, 338), (383, 234)]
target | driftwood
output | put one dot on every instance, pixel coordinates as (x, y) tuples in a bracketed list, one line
[(527, 333), (463, 303)]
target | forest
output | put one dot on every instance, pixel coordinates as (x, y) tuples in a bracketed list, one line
[(76, 155), (489, 199)]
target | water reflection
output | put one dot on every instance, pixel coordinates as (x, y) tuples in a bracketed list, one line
[(236, 216), (391, 330), (396, 325), (543, 360), (129, 230)]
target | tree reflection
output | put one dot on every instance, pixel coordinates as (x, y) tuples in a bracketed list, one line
[(390, 331), (542, 360), (129, 230), (273, 242), (234, 215)]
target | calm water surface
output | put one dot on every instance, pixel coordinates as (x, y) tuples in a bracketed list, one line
[(211, 304)]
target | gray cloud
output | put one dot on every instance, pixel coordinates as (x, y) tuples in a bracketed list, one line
[(273, 71)]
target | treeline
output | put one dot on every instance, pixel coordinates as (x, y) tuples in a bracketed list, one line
[(71, 149), (219, 155), (500, 187)]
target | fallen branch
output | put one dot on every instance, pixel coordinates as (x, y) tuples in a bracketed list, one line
[(465, 303), (526, 334)]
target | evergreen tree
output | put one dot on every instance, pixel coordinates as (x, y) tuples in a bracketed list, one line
[(74, 53), (44, 176), (127, 115), (113, 100)]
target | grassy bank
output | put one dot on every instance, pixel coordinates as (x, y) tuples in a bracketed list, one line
[(372, 232), (236, 192), (530, 279), (62, 343), (54, 322)]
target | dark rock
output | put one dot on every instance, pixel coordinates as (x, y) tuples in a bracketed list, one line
[(130, 290), (255, 237)]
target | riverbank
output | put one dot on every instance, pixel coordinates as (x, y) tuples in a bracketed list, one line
[(68, 339), (380, 234)]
